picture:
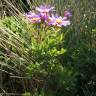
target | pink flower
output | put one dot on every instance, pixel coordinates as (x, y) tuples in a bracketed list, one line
[(32, 17), (44, 11), (58, 21)]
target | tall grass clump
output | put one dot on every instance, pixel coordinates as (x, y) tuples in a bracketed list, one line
[(43, 54)]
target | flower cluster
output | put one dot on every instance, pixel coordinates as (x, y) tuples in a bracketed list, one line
[(45, 15)]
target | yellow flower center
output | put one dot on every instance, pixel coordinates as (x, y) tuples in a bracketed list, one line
[(58, 20), (35, 19), (49, 20)]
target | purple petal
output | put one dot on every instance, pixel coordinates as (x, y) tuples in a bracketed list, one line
[(67, 14), (66, 23), (44, 8)]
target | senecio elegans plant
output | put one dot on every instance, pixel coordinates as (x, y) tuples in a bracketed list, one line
[(47, 38), (44, 14)]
